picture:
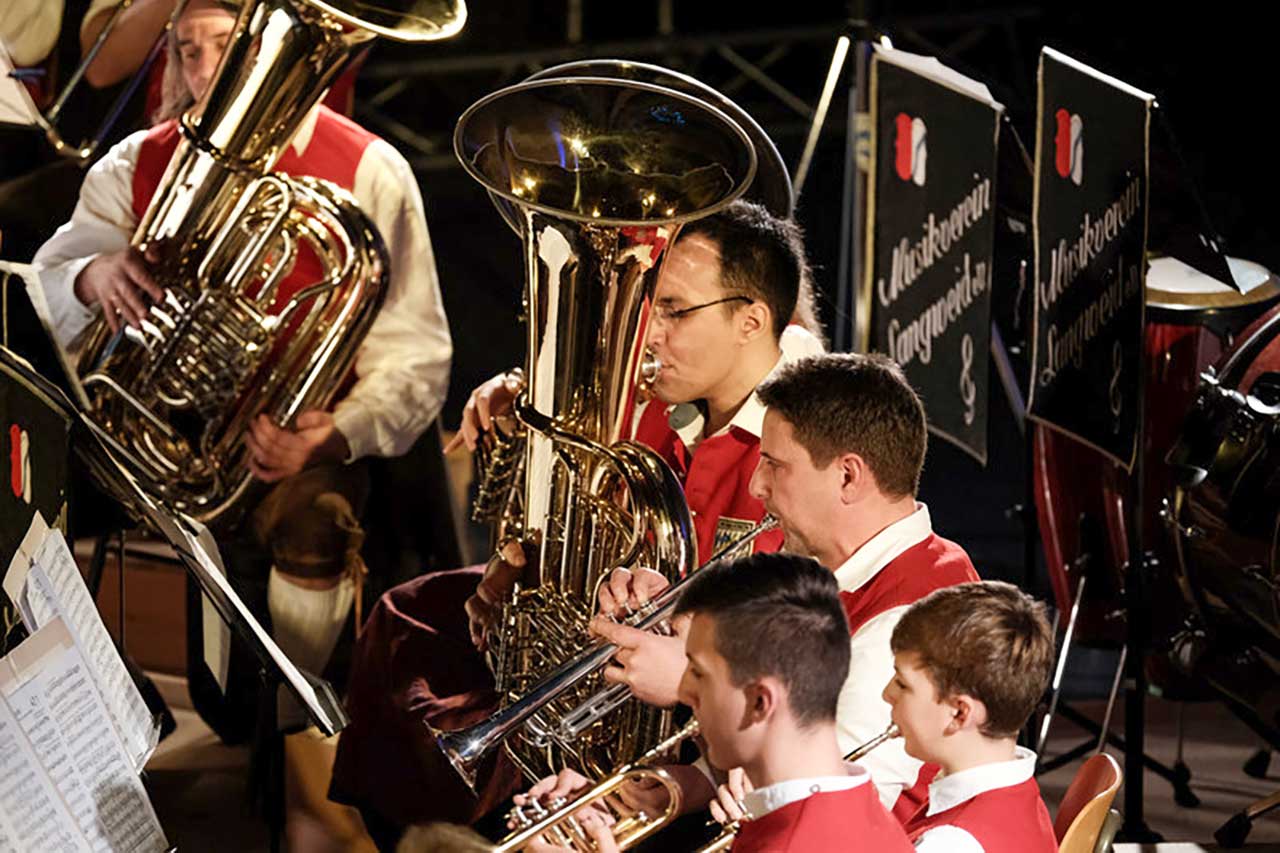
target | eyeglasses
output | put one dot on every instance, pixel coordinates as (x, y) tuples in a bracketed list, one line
[(667, 314)]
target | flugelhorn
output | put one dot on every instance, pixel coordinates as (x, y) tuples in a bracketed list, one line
[(724, 840), (465, 747), (631, 826)]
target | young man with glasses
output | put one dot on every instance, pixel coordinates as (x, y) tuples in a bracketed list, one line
[(719, 325)]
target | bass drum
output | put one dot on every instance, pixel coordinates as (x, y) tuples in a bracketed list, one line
[(1226, 468), (1082, 496)]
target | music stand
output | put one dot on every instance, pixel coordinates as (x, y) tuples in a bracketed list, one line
[(190, 540)]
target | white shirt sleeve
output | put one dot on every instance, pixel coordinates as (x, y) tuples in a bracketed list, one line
[(103, 222), (862, 713), (402, 367), (948, 839)]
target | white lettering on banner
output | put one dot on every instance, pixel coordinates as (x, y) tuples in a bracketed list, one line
[(1068, 259), (1065, 347), (910, 260), (915, 338), (968, 388)]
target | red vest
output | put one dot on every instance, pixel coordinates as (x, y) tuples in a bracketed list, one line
[(828, 822), (1006, 820), (934, 563), (715, 479), (333, 153)]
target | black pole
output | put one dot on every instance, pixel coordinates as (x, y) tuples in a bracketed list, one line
[(1135, 827), (852, 215)]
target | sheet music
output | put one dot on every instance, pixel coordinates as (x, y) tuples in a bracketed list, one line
[(36, 815), (54, 588), (49, 687)]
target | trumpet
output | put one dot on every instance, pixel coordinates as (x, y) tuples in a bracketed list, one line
[(466, 747), (724, 840), (559, 824)]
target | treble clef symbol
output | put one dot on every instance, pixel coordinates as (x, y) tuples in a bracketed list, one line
[(1117, 365), (968, 390)]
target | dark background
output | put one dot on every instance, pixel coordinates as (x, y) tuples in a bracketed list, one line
[(1211, 71)]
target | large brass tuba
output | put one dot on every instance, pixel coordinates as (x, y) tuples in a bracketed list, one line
[(600, 173), (176, 396)]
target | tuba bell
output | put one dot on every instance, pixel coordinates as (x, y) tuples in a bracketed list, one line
[(599, 174), (228, 343)]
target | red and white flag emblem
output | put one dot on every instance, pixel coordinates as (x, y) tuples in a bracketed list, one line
[(1069, 146), (910, 149)]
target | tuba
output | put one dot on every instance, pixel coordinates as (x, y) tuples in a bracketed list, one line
[(233, 339), (599, 173)]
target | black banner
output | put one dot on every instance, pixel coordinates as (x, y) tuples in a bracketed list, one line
[(1090, 218), (926, 298)]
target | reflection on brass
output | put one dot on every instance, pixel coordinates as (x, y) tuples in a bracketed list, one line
[(597, 174), (176, 395)]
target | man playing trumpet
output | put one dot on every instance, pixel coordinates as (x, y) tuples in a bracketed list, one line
[(841, 451), (767, 650)]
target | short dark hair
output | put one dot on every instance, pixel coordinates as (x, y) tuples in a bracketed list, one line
[(761, 256), (849, 403), (777, 615), (988, 640)]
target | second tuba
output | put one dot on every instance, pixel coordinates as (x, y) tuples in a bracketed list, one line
[(598, 174), (236, 336)]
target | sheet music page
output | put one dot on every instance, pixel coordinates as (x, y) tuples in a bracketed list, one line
[(49, 687), (35, 814), (55, 589)]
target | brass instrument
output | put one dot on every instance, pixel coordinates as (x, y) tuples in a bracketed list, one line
[(601, 172), (176, 396), (558, 825), (724, 840), (466, 747)]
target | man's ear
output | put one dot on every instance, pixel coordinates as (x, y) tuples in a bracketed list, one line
[(755, 319), (855, 476)]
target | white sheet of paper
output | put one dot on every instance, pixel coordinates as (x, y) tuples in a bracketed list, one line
[(50, 688), (16, 576), (932, 68), (36, 815), (55, 589)]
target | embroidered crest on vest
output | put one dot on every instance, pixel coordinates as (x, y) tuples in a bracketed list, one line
[(729, 529)]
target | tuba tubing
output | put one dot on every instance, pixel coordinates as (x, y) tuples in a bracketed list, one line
[(466, 747)]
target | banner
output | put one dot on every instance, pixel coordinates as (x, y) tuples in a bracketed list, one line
[(1090, 223), (926, 298)]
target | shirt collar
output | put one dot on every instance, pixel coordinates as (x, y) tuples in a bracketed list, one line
[(773, 797), (947, 792), (796, 343), (881, 549)]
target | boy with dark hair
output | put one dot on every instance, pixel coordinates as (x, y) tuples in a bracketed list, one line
[(768, 652), (970, 664)]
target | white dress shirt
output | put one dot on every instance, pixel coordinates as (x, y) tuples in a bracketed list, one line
[(947, 792), (862, 713), (402, 366), (761, 801)]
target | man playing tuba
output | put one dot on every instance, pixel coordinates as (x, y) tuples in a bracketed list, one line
[(305, 528), (727, 291)]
